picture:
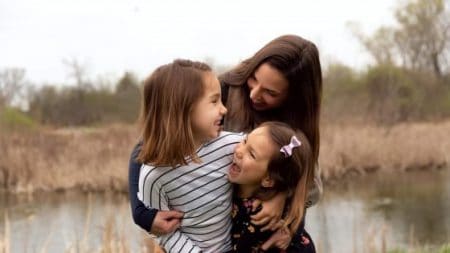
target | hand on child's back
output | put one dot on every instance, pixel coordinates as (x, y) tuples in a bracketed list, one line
[(270, 214), (280, 239), (166, 222)]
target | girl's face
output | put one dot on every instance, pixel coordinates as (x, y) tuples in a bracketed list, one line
[(251, 159), (268, 88), (208, 112)]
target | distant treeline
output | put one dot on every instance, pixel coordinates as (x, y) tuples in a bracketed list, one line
[(384, 94), (381, 94), (87, 105), (409, 80)]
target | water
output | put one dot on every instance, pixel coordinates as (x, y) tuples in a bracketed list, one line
[(407, 209), (61, 222), (403, 210)]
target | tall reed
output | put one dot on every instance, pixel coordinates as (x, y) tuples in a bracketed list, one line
[(96, 159), (362, 149)]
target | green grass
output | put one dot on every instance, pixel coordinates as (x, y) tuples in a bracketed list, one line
[(13, 119), (443, 249)]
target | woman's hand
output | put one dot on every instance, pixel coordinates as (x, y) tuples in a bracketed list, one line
[(166, 222), (270, 214), (280, 239)]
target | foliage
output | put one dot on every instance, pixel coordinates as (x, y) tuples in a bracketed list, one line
[(385, 94), (410, 80), (420, 41), (344, 94), (86, 105), (128, 98), (423, 37), (442, 249), (13, 119)]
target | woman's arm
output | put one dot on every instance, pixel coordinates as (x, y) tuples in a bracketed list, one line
[(270, 213), (314, 194), (271, 210), (152, 220), (142, 216), (279, 239)]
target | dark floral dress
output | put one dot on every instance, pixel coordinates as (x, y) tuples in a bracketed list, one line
[(248, 238)]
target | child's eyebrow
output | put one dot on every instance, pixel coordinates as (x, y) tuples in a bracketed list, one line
[(215, 95)]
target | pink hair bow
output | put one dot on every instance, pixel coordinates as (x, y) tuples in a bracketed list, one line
[(287, 149)]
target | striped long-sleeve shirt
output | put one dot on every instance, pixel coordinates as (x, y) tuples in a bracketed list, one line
[(201, 191)]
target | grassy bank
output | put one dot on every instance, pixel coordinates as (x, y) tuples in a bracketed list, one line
[(364, 149), (96, 159), (51, 160)]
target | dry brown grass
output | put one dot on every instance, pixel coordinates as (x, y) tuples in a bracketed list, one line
[(96, 159), (359, 148), (5, 236), (48, 160)]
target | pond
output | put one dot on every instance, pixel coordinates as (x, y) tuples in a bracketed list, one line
[(358, 215)]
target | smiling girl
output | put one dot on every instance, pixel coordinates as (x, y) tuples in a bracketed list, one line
[(272, 159)]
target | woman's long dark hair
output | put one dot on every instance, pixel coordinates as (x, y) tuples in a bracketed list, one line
[(298, 60)]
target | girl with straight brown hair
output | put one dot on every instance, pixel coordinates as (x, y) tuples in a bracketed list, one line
[(185, 156)]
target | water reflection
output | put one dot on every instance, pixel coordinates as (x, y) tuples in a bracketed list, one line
[(59, 221), (405, 209)]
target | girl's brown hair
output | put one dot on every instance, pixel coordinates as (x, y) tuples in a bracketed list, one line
[(293, 174), (298, 60), (168, 98)]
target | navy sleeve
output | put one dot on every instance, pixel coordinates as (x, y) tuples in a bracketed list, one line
[(142, 216)]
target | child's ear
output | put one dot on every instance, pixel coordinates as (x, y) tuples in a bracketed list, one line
[(267, 182)]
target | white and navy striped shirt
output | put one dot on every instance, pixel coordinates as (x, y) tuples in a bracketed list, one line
[(201, 191)]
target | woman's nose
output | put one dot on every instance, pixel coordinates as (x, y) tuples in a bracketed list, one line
[(255, 93)]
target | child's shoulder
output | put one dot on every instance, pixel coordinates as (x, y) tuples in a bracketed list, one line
[(226, 138), (230, 136)]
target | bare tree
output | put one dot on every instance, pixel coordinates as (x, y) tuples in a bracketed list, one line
[(381, 45), (423, 37), (78, 72), (12, 85), (420, 41)]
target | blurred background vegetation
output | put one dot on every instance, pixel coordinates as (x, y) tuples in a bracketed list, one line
[(408, 80)]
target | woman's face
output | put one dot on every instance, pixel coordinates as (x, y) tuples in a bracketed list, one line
[(268, 88)]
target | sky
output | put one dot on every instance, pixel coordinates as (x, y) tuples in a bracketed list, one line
[(109, 37)]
